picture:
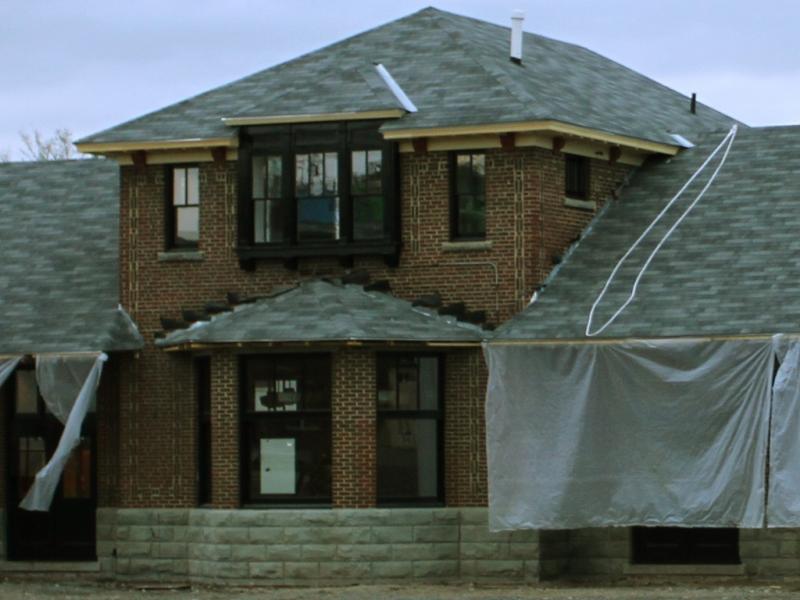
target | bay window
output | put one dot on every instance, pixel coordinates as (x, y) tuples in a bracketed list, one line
[(316, 190), (286, 429)]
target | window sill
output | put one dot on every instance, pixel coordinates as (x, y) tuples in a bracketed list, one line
[(582, 204), (648, 569), (181, 256), (467, 246), (380, 248)]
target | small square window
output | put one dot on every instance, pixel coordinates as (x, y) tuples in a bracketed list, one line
[(184, 207), (576, 177)]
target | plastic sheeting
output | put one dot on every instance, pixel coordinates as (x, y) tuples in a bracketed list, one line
[(7, 366), (56, 376), (670, 432), (783, 508)]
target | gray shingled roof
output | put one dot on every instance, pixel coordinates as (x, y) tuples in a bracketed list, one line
[(731, 267), (59, 225), (455, 69), (323, 311)]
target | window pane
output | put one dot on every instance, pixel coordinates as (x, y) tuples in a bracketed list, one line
[(32, 458), (374, 167), (260, 221), (463, 174), (407, 384), (331, 174), (301, 174), (316, 174), (317, 218), (478, 172), (178, 187), (188, 224), (471, 215), (316, 387), (429, 383), (368, 218), (359, 168), (387, 384), (27, 392), (407, 458), (259, 176), (193, 186), (275, 177), (289, 456), (77, 477)]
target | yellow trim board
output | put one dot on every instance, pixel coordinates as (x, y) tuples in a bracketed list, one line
[(580, 147), (172, 157), (103, 147), (532, 126), (394, 113)]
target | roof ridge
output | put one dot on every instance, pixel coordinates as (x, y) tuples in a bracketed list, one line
[(469, 50)]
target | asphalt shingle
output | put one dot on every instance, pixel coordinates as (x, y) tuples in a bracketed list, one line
[(457, 72), (59, 232), (324, 311)]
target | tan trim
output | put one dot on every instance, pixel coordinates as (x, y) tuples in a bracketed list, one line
[(581, 147), (607, 341), (255, 345), (106, 147), (529, 126), (172, 157), (394, 113)]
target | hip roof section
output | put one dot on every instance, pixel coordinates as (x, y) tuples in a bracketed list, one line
[(326, 311), (732, 267), (457, 72), (59, 232)]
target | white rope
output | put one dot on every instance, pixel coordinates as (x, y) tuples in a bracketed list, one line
[(727, 139)]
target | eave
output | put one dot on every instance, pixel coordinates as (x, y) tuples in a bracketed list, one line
[(186, 144), (393, 113), (256, 345), (548, 126)]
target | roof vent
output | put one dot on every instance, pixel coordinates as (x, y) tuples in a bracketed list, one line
[(516, 36)]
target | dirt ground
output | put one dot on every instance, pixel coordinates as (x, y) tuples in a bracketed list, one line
[(17, 589)]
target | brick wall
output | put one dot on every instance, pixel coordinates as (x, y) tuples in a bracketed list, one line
[(224, 430), (157, 411), (353, 429)]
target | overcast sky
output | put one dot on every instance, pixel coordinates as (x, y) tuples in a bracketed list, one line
[(89, 64)]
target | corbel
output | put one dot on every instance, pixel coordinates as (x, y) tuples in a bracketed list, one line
[(219, 154), (614, 153), (558, 145), (508, 141), (420, 145), (139, 158)]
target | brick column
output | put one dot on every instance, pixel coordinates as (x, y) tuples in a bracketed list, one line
[(353, 424), (224, 431), (464, 429)]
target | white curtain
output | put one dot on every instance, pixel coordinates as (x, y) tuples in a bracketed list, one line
[(670, 432), (7, 366), (58, 379)]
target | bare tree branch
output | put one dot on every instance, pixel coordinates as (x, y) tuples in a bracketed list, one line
[(5, 156), (59, 146)]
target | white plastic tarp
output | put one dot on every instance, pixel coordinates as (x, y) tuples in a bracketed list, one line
[(783, 508), (56, 376), (669, 432), (7, 366)]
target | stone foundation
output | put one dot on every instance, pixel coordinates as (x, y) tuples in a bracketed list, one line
[(312, 546)]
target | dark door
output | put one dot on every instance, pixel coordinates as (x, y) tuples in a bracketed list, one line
[(67, 531)]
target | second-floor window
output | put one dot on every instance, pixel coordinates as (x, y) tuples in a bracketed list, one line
[(576, 177), (319, 186), (468, 196), (184, 208)]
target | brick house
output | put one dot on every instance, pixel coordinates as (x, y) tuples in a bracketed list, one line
[(312, 256)]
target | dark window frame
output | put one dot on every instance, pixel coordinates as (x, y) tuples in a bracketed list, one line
[(171, 220), (249, 419), (202, 368), (683, 545), (455, 197), (288, 141), (577, 177), (437, 415)]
